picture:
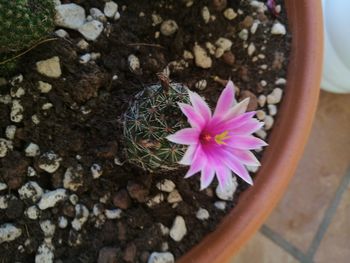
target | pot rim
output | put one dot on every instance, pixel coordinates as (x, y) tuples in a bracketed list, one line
[(287, 141)]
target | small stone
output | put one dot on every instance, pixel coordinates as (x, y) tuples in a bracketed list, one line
[(260, 114), (259, 6), (278, 29), (137, 191), (9, 232), (165, 230), (3, 202), (32, 150), (243, 34), (110, 9), (97, 14), (91, 30), (278, 61), (201, 84), (261, 134), (5, 99), (268, 122), (31, 190), (73, 178), (187, 55), (10, 132), (17, 92), (95, 55), (166, 185), (61, 33), (251, 49), (221, 205), (253, 101), (224, 43), (272, 109), (263, 83), (96, 170), (229, 58), (44, 87), (5, 147), (117, 16), (32, 212), (168, 27), (254, 27), (262, 100), (205, 14), (49, 162), (156, 19), (247, 22), (134, 63), (165, 246), (211, 48), (230, 14), (281, 81), (81, 216), (70, 16), (202, 214), (35, 119), (31, 172), (3, 186), (202, 59), (51, 198), (219, 5), (45, 253), (130, 253), (178, 230), (62, 222), (113, 213), (174, 197), (48, 228), (50, 67), (17, 110), (252, 169), (161, 257), (228, 192), (85, 58), (107, 255), (275, 96), (219, 52), (82, 44), (74, 199), (121, 199)]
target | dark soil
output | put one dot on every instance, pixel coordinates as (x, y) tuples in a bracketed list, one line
[(84, 127)]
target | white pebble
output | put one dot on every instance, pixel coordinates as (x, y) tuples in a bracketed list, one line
[(262, 134), (32, 150), (62, 222), (9, 232), (251, 49), (168, 27), (174, 197), (224, 43), (165, 230), (228, 192), (178, 230), (157, 199), (5, 99), (3, 202), (16, 80), (202, 59), (156, 19), (31, 172), (134, 63), (61, 33), (110, 9), (166, 185), (262, 100), (3, 186), (263, 83), (30, 190), (187, 55), (97, 14), (10, 132), (73, 178), (260, 114), (230, 14), (44, 87), (202, 214), (74, 199), (243, 34), (259, 6), (268, 122), (70, 16), (201, 84), (278, 29), (50, 67), (281, 81), (205, 14), (81, 216), (35, 119), (32, 212), (272, 109), (254, 27), (252, 169), (113, 213), (17, 92), (82, 44), (96, 170), (85, 58), (17, 110), (91, 30), (47, 106), (5, 147), (211, 48), (117, 16), (95, 55), (45, 253), (49, 162), (221, 205), (97, 209), (161, 257), (50, 199), (275, 96), (48, 228)]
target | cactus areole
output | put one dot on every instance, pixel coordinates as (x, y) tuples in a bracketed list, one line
[(151, 117)]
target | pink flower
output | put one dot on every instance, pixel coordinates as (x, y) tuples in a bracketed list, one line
[(219, 143)]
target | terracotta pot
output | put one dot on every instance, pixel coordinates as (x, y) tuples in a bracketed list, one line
[(287, 142)]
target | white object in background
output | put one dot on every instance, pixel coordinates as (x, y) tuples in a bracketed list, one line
[(336, 69)]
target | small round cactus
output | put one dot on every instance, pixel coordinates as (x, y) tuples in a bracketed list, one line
[(150, 118), (24, 22)]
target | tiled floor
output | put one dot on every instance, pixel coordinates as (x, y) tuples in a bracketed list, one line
[(312, 222)]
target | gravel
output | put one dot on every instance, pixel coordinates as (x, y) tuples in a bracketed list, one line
[(166, 186), (51, 198), (168, 28), (227, 193), (70, 16), (201, 57), (178, 229), (91, 30), (110, 9), (50, 67), (161, 257), (9, 232)]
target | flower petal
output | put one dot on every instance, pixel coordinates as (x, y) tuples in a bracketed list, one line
[(226, 101), (244, 156), (187, 136), (199, 160), (245, 142), (238, 169), (224, 176), (200, 106), (248, 127), (188, 156), (236, 110), (194, 119), (207, 176)]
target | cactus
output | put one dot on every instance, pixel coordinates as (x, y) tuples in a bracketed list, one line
[(153, 115), (24, 22)]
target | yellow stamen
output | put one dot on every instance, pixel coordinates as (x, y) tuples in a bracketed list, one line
[(219, 139)]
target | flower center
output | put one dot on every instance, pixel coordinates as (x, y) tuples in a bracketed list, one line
[(206, 138)]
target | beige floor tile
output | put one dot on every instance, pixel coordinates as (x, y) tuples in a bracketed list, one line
[(335, 246), (260, 249), (325, 161)]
